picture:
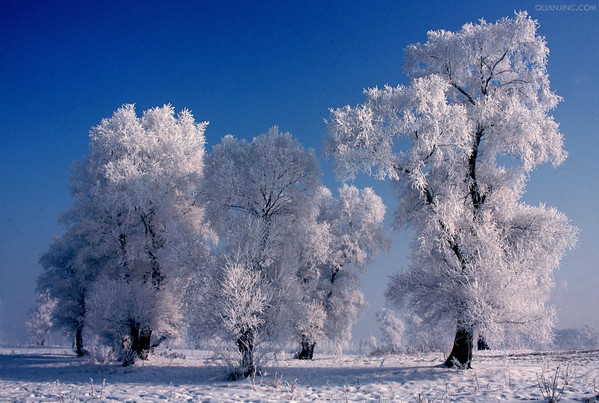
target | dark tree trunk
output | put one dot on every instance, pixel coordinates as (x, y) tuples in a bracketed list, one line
[(481, 344), (140, 341), (134, 338), (79, 342), (145, 337), (461, 353), (245, 344), (79, 323), (307, 352)]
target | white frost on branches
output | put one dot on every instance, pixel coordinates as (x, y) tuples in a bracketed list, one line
[(134, 227), (41, 318), (459, 143), (241, 303), (356, 236)]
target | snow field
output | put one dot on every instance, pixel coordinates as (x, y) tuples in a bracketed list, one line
[(29, 375)]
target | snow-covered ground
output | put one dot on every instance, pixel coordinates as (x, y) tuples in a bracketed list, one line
[(33, 375)]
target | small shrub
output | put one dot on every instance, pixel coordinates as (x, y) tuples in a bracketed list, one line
[(552, 386)]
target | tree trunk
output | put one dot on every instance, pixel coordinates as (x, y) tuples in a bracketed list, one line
[(145, 337), (245, 344), (79, 342), (461, 353), (140, 341), (307, 352), (482, 343)]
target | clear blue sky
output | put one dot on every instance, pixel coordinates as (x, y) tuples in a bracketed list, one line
[(245, 66)]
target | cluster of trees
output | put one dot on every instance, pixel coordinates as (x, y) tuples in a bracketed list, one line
[(583, 338), (246, 245), (243, 244)]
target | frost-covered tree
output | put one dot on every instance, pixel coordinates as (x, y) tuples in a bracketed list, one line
[(357, 237), (113, 304), (392, 329), (65, 278), (41, 321), (310, 325), (348, 234), (585, 337), (134, 206), (256, 193), (240, 301), (459, 143)]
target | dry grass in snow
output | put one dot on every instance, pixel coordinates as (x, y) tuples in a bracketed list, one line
[(33, 375)]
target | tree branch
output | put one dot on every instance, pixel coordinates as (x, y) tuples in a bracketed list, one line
[(463, 92)]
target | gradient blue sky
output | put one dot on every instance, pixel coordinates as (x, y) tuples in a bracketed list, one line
[(245, 66)]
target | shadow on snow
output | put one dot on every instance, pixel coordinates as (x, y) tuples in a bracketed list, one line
[(70, 369)]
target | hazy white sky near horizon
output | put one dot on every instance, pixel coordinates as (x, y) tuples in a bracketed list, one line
[(246, 66)]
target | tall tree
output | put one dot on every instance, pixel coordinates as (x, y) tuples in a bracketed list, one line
[(349, 234), (459, 143), (257, 193), (134, 204), (64, 279)]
